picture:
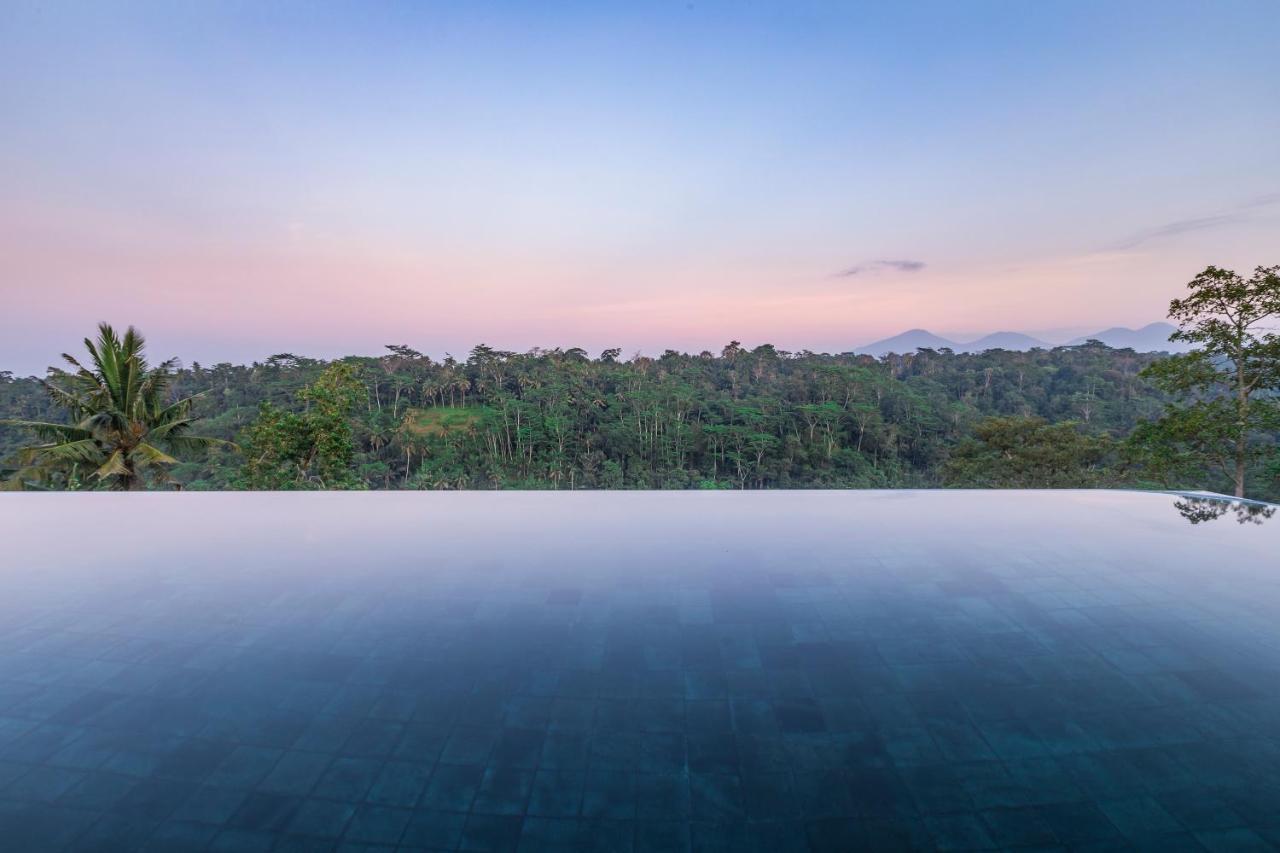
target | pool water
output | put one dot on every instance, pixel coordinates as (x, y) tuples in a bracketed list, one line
[(638, 671)]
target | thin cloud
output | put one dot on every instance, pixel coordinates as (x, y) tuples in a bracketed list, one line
[(1242, 212), (1261, 201), (881, 266)]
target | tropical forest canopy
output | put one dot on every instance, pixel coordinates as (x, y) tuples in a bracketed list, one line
[(739, 419), (1079, 416)]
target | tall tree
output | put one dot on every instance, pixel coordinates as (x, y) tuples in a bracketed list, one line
[(122, 420), (1227, 384), (314, 449), (1028, 453)]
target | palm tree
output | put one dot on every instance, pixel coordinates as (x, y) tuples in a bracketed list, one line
[(119, 419)]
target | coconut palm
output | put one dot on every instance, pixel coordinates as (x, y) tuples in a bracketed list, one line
[(121, 422)]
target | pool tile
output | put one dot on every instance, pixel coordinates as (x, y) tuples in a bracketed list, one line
[(295, 773), (900, 694), (377, 824), (609, 794), (503, 791), (265, 812), (557, 793), (399, 783), (109, 832), (1224, 840), (769, 796), (962, 831), (1018, 827), (491, 833), (435, 830), (210, 805), (452, 787), (243, 841), (43, 784), (180, 837)]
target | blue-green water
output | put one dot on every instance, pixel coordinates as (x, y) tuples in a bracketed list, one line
[(638, 671)]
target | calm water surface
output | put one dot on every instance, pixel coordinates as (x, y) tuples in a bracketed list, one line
[(638, 671)]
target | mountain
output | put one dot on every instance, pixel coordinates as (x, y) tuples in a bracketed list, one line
[(906, 342), (1004, 340), (1150, 338)]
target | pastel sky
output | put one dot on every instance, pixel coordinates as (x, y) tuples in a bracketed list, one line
[(245, 178)]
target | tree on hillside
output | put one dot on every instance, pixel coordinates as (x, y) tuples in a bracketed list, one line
[(1028, 453), (123, 424), (1228, 413), (312, 449)]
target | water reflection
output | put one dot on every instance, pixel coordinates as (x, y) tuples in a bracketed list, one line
[(635, 670), (1197, 510)]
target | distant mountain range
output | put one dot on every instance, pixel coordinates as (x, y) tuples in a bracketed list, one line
[(1150, 338)]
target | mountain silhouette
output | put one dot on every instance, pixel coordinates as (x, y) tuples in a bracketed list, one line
[(1004, 340), (1153, 337)]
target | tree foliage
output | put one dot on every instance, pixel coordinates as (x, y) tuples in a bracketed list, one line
[(1030, 453), (121, 423), (312, 449), (1226, 414)]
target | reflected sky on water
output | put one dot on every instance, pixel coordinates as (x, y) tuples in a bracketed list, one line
[(503, 670)]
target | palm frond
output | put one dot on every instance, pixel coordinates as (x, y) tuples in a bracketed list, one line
[(100, 356), (84, 450), (110, 420), (115, 466), (152, 455), (51, 431), (61, 396), (71, 360), (199, 442), (178, 408)]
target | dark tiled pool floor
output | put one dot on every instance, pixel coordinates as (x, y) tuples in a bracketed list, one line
[(633, 672)]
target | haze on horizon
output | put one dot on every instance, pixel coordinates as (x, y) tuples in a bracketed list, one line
[(242, 179)]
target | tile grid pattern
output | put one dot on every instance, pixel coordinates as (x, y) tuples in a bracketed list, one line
[(905, 698)]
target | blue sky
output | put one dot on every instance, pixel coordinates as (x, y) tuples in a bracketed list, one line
[(243, 178)]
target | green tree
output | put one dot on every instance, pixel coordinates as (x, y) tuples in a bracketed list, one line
[(312, 449), (122, 420), (1028, 453), (1227, 414)]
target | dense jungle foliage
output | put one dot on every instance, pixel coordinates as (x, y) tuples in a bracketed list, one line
[(745, 418)]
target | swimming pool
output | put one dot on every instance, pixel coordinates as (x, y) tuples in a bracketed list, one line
[(638, 671)]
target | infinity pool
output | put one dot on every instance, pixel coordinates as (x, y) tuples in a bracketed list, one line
[(638, 671)]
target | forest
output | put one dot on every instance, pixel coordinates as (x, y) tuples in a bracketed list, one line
[(740, 419), (759, 418)]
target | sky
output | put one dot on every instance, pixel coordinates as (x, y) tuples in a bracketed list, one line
[(239, 179)]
